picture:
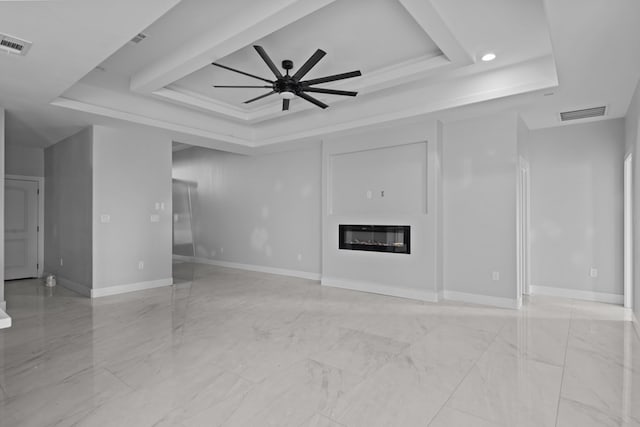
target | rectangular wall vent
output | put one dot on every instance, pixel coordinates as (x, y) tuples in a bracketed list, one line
[(582, 114), (14, 45), (138, 38)]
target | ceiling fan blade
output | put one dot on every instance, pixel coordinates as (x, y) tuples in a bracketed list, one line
[(312, 100), (331, 78), (285, 104), (329, 91), (266, 87), (270, 64), (260, 97), (241, 72), (311, 62)]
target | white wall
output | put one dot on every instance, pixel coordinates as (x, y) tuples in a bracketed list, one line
[(403, 162), (67, 218), (632, 132), (2, 147), (576, 206), (255, 210), (131, 173), (26, 161), (479, 176)]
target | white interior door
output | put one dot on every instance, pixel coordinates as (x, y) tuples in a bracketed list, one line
[(21, 229)]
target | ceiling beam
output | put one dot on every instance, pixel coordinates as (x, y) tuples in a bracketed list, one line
[(431, 21)]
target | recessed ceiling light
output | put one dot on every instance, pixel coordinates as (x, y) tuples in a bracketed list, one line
[(488, 57)]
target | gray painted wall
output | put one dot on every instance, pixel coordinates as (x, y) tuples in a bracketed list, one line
[(68, 197), (401, 172), (258, 210), (577, 206), (131, 174), (632, 130), (2, 146), (21, 160), (479, 178)]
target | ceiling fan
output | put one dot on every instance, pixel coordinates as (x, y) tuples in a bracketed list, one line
[(290, 86)]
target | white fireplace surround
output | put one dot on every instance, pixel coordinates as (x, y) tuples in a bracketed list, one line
[(380, 178)]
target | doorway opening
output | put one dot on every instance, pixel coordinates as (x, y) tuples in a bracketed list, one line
[(522, 233)]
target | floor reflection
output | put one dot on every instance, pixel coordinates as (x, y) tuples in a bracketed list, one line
[(225, 347)]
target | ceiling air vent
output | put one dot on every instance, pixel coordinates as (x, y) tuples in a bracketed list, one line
[(582, 114), (138, 38), (14, 45)]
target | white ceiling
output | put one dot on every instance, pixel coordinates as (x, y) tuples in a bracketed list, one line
[(418, 58), (69, 39)]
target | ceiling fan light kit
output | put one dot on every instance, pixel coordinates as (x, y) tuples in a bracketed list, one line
[(287, 95), (290, 86)]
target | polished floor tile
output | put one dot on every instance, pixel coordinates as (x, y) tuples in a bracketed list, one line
[(225, 347)]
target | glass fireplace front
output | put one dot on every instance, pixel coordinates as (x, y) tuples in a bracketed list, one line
[(378, 238)]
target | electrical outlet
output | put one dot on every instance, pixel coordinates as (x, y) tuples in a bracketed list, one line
[(299, 257), (593, 272), (105, 218), (495, 275), (140, 265), (61, 262), (154, 218)]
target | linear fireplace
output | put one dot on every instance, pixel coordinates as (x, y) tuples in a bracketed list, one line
[(378, 238)]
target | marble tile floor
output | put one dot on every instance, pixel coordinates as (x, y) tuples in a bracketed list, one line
[(226, 347)]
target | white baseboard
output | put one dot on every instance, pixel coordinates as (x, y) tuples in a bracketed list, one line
[(377, 288), (5, 320), (481, 299), (75, 287), (577, 294), (130, 287), (250, 267)]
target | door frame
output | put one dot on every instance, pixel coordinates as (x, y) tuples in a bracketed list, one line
[(628, 231), (40, 181), (523, 260)]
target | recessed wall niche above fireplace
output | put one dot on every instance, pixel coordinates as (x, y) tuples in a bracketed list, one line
[(377, 238)]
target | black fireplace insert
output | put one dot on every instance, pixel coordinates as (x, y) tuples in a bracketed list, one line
[(378, 238)]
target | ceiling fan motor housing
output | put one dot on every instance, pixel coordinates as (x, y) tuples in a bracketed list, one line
[(285, 84)]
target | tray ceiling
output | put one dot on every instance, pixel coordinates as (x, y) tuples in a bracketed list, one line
[(384, 36), (416, 56)]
